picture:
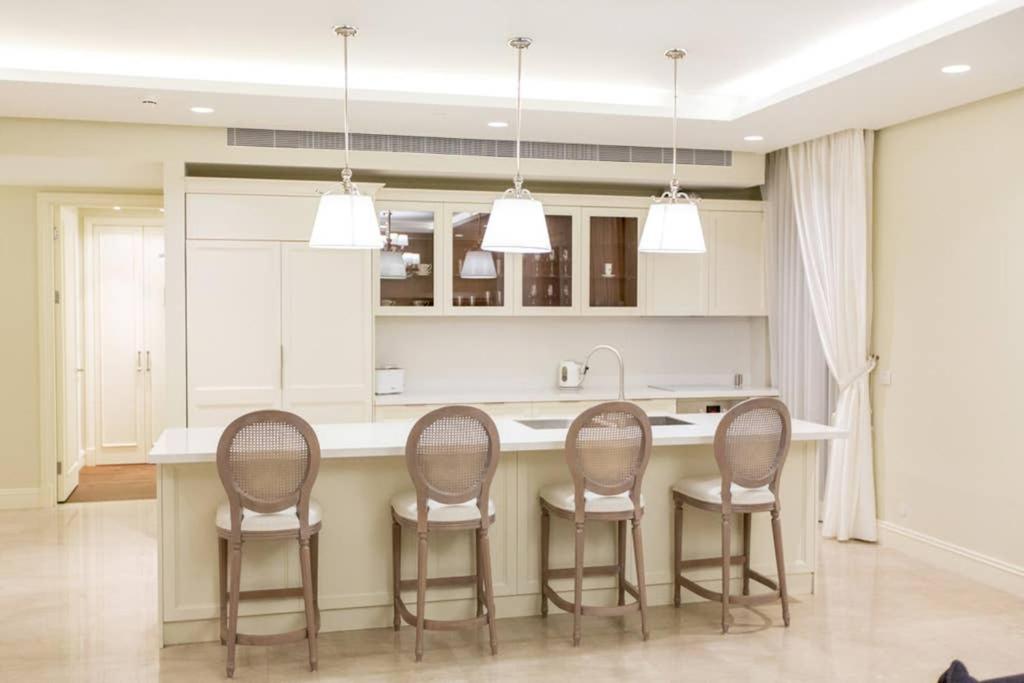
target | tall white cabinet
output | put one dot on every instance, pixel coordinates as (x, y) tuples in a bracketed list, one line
[(271, 323), (128, 322)]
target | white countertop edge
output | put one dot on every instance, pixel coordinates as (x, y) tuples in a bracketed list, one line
[(603, 393), (387, 439)]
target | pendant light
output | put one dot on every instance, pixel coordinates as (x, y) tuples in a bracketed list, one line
[(478, 265), (517, 224), (345, 219), (392, 260), (673, 222)]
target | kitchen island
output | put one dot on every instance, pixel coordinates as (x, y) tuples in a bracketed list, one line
[(362, 469)]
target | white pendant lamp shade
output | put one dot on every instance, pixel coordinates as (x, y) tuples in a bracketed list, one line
[(517, 226), (392, 265), (478, 265), (673, 222), (346, 221), (673, 229)]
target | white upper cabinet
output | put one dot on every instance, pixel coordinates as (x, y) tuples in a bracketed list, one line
[(416, 237), (326, 342), (475, 282), (250, 216), (677, 284), (737, 282), (549, 284), (614, 281), (233, 329)]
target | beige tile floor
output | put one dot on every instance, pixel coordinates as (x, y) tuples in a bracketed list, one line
[(78, 603)]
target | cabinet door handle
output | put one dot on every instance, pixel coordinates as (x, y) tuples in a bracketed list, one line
[(138, 361), (149, 362)]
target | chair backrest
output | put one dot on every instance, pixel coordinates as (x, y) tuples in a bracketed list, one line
[(268, 461), (451, 454), (607, 449), (751, 444)]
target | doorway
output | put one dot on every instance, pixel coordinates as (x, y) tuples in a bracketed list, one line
[(109, 268)]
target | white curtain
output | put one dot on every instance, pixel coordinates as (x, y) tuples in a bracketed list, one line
[(798, 366), (831, 183)]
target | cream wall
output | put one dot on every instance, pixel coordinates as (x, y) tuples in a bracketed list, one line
[(19, 397), (949, 325)]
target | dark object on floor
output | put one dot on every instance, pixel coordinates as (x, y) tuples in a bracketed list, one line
[(115, 482), (957, 673)]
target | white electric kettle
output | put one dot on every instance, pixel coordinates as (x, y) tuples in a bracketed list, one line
[(570, 374)]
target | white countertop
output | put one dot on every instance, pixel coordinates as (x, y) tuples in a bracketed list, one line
[(373, 439), (597, 393)]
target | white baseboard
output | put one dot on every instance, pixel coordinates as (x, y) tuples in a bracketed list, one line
[(989, 570), (13, 499)]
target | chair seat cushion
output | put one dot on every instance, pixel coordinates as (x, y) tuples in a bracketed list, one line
[(563, 497), (709, 490), (285, 520), (404, 505)]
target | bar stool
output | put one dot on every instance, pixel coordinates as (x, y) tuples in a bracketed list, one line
[(451, 454), (607, 449), (751, 443), (267, 461)]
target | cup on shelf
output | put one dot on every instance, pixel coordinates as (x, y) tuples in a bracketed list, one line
[(424, 268), (609, 270)]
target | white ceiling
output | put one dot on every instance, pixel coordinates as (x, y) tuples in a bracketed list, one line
[(787, 70)]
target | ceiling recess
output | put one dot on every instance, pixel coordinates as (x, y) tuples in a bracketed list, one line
[(410, 144)]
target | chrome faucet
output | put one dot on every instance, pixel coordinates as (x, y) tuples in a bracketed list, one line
[(622, 367)]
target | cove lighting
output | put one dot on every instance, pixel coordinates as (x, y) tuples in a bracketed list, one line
[(956, 69)]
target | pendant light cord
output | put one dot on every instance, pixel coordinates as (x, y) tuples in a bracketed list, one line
[(519, 112), (348, 170), (675, 117)]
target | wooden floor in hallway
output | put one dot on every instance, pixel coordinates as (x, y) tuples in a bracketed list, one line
[(78, 595), (115, 482)]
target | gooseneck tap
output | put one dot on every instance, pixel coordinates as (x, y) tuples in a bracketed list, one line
[(622, 367)]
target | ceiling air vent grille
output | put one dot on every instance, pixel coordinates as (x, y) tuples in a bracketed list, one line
[(413, 144)]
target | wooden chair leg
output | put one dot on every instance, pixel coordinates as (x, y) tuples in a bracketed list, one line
[(479, 573), (235, 570), (545, 537), (306, 565), (222, 587), (780, 565), (421, 593), (726, 556), (746, 553), (396, 569), (677, 555), (314, 558), (641, 576), (620, 549), (485, 553), (577, 611)]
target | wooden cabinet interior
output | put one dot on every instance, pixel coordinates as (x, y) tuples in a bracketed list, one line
[(613, 262), (417, 287), (547, 278), (467, 234)]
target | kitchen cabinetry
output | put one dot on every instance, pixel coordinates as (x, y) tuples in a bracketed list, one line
[(477, 282), (412, 287), (549, 284), (271, 323), (727, 280), (613, 284)]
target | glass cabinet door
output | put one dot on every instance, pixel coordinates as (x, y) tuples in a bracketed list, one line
[(478, 278), (548, 282), (407, 267), (613, 262)]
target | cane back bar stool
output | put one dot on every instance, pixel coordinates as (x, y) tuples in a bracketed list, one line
[(607, 449), (451, 454), (267, 461), (751, 444)]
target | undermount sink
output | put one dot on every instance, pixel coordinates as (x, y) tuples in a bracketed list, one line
[(564, 422)]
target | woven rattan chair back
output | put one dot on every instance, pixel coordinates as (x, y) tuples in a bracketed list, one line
[(268, 461), (751, 444), (452, 453), (607, 449)]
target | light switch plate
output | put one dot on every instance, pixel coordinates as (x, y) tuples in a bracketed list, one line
[(885, 377)]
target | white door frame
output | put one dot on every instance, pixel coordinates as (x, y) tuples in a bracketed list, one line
[(47, 206), (91, 285)]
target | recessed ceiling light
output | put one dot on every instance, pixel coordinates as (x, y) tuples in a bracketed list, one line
[(202, 110), (956, 69), (117, 208), (498, 124), (753, 138)]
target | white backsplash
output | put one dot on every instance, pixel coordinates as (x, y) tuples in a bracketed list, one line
[(474, 353)]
